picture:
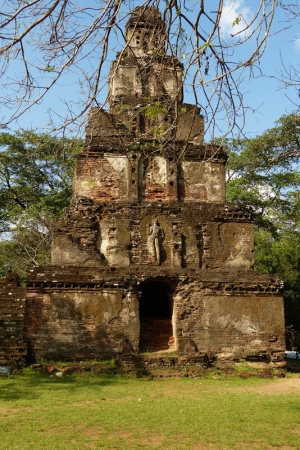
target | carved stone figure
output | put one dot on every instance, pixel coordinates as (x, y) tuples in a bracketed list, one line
[(155, 237)]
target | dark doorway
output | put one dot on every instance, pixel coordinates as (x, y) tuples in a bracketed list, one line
[(156, 310)]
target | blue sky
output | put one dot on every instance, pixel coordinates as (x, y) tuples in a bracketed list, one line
[(266, 93), (263, 94)]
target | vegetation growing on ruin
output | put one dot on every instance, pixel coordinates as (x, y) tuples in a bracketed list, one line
[(154, 110)]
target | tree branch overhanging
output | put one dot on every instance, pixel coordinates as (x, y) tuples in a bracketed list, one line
[(55, 42)]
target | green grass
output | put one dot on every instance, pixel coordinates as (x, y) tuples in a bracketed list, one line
[(86, 411)]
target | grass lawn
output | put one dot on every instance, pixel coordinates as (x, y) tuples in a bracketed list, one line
[(109, 412)]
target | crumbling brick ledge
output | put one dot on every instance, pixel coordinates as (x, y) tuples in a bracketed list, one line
[(161, 366)]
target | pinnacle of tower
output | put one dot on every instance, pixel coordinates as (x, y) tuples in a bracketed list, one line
[(145, 99), (142, 70), (145, 31)]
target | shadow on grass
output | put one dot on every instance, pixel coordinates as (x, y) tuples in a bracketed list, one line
[(31, 384)]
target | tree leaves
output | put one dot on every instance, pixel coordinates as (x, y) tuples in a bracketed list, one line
[(35, 186)]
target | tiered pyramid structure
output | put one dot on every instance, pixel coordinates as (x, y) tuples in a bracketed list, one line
[(149, 257)]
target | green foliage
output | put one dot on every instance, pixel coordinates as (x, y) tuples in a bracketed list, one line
[(49, 68), (205, 46), (35, 186), (263, 172), (121, 107), (236, 21), (154, 110), (281, 256), (26, 247)]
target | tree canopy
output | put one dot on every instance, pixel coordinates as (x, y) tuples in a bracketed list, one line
[(263, 173), (35, 186)]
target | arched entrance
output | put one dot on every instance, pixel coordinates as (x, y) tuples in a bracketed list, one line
[(156, 310)]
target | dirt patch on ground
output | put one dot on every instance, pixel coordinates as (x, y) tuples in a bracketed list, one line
[(259, 446), (279, 386)]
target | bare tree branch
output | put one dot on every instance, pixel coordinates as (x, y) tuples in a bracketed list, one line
[(46, 42)]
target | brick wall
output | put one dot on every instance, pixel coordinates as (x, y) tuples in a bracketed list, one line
[(94, 314), (195, 235), (12, 308)]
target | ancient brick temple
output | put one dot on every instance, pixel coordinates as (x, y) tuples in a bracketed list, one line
[(148, 257)]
